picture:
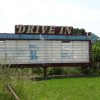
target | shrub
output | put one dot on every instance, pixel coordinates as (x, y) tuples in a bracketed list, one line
[(56, 71)]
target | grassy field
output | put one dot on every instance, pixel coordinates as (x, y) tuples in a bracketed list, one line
[(86, 88)]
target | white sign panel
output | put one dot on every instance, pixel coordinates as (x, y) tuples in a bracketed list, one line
[(41, 52)]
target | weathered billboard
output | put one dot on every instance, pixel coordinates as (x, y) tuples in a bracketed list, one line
[(44, 52)]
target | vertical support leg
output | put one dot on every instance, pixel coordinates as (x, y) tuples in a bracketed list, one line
[(45, 71)]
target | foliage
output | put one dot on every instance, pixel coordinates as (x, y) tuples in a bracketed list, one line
[(96, 57), (96, 51), (64, 71), (77, 31), (56, 71), (10, 76), (72, 70), (37, 71)]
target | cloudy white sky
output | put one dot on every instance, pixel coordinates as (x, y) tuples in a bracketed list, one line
[(77, 13)]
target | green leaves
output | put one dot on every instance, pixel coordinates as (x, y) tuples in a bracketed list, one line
[(96, 51)]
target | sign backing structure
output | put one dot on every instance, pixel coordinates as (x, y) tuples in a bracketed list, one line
[(49, 52)]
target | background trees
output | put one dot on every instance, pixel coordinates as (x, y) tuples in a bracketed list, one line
[(96, 56)]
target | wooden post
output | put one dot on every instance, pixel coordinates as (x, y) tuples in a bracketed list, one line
[(13, 92), (45, 71)]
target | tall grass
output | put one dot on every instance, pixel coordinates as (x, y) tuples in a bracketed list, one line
[(11, 76), (54, 89), (85, 88)]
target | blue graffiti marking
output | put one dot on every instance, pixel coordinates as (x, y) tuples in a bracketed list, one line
[(33, 52), (34, 55)]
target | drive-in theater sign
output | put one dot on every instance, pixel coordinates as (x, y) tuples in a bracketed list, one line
[(40, 46)]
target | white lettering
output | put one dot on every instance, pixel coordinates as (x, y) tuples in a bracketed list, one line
[(52, 30), (44, 28), (21, 28), (37, 29), (67, 30), (30, 29), (61, 30)]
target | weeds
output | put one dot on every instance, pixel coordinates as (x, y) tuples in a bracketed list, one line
[(15, 77)]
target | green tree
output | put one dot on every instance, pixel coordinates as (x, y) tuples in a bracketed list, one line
[(96, 55)]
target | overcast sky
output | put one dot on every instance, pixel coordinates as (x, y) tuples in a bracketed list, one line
[(77, 13)]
